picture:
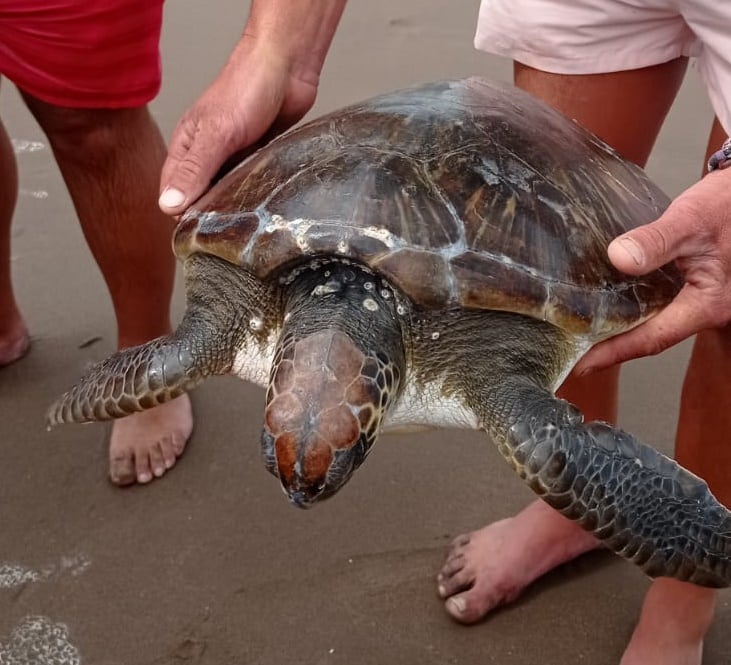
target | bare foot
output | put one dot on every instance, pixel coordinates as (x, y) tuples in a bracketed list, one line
[(145, 445), (14, 340), (491, 567), (674, 620)]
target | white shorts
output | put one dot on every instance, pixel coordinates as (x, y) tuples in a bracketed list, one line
[(599, 36)]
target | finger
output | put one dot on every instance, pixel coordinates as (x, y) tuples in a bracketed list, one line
[(679, 320), (196, 152), (653, 245)]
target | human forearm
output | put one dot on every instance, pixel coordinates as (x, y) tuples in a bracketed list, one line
[(299, 31)]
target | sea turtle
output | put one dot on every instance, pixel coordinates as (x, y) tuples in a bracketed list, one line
[(434, 256)]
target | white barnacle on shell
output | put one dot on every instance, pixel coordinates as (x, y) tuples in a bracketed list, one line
[(400, 310), (370, 304), (275, 223), (299, 228), (489, 170), (368, 286), (331, 286), (382, 234), (435, 335), (520, 176), (342, 247), (385, 294), (256, 323)]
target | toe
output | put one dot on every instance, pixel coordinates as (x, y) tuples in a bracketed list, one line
[(142, 467), (460, 542), (451, 566), (171, 447), (122, 468), (176, 445), (460, 580), (470, 597), (157, 459), (463, 609)]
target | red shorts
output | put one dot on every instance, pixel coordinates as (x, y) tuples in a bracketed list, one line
[(83, 53)]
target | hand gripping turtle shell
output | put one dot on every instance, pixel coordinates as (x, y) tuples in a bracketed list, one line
[(430, 257)]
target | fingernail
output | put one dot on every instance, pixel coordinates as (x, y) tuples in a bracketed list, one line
[(172, 198), (633, 249)]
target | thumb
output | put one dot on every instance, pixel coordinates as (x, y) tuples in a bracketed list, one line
[(650, 246), (194, 156)]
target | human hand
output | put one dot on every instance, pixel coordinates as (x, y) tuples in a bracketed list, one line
[(269, 82), (259, 93), (695, 232)]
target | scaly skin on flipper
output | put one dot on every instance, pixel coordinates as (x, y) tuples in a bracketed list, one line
[(131, 380), (641, 504), (213, 329)]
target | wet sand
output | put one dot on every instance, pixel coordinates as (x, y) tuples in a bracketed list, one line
[(211, 565)]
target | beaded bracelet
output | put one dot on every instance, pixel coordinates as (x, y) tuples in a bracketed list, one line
[(721, 158)]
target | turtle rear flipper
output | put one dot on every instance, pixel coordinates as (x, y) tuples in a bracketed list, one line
[(638, 502)]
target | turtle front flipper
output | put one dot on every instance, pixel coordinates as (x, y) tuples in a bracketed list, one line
[(131, 380), (638, 502), (205, 343)]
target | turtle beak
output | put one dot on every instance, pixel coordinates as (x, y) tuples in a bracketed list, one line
[(318, 473)]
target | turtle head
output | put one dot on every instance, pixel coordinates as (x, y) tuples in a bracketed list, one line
[(337, 370)]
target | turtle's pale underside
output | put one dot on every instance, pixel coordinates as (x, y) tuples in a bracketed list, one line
[(430, 257)]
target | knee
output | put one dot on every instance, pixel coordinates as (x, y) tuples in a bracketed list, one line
[(90, 135)]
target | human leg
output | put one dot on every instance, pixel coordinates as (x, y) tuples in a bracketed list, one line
[(675, 615), (110, 161), (13, 332), (493, 565)]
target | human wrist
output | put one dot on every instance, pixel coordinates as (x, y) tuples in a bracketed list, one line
[(294, 34)]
